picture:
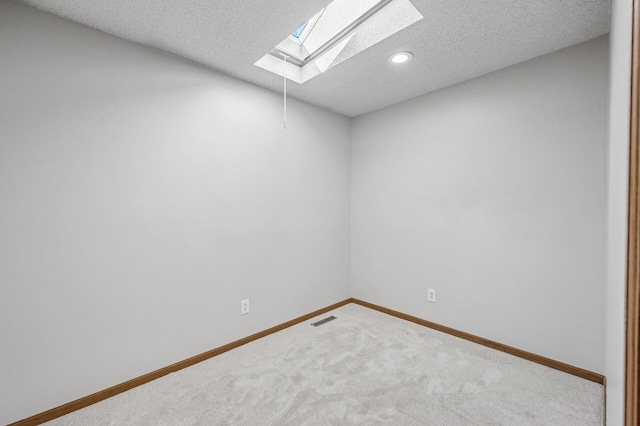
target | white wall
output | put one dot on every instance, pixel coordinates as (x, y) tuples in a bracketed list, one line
[(141, 198), (619, 92), (492, 192)]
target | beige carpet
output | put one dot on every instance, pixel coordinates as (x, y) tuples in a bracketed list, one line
[(365, 368)]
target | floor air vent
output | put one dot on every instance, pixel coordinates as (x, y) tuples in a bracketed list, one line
[(323, 321)]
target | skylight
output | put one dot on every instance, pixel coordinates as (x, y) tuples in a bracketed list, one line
[(341, 30)]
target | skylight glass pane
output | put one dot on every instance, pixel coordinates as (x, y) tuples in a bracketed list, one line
[(326, 25), (299, 31), (337, 16)]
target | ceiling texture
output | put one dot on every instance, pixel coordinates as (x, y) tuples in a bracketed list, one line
[(457, 40)]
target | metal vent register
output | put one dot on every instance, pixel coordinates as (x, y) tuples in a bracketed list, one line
[(323, 321)]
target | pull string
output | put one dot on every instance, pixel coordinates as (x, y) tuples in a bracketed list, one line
[(285, 89)]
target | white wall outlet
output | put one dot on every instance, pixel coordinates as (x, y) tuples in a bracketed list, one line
[(431, 295), (244, 307)]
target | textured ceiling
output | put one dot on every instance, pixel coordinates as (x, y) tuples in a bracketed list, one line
[(457, 40)]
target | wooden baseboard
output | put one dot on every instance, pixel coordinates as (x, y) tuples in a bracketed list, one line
[(122, 387), (576, 371)]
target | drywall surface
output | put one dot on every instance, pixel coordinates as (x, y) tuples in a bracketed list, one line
[(142, 198), (618, 185), (492, 192)]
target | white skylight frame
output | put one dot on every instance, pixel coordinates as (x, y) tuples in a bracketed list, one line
[(372, 23)]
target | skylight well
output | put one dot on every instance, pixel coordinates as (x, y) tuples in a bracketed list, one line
[(341, 30)]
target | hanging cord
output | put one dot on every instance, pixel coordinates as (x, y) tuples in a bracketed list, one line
[(285, 89)]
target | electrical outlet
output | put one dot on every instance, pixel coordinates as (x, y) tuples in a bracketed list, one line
[(431, 295), (244, 306)]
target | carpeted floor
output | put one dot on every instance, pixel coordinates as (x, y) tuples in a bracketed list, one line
[(366, 368)]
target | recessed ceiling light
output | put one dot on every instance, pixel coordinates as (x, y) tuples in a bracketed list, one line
[(400, 57)]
